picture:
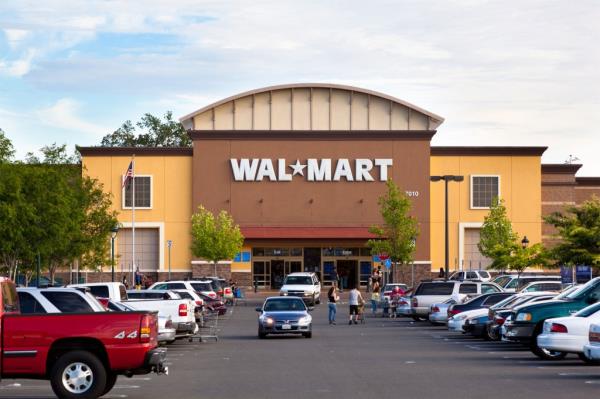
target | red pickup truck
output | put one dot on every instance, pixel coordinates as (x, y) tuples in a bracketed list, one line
[(80, 353)]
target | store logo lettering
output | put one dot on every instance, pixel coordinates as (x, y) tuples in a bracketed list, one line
[(259, 169)]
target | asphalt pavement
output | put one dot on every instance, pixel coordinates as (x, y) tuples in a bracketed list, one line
[(383, 358)]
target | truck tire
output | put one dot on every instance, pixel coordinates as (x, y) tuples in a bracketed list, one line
[(111, 380), (544, 353), (78, 375)]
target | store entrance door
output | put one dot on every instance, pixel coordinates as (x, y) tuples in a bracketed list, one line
[(347, 273), (277, 273)]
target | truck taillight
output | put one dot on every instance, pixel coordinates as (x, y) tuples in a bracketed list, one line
[(558, 328), (183, 310), (594, 336), (414, 302), (146, 327), (199, 303)]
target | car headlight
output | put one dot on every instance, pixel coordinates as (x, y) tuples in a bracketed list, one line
[(268, 321), (304, 320), (523, 317)]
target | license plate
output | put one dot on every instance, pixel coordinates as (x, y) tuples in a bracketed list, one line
[(286, 327)]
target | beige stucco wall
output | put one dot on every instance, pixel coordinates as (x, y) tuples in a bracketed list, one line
[(171, 199)]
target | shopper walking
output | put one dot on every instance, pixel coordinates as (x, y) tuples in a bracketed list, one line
[(354, 299), (375, 297), (332, 299)]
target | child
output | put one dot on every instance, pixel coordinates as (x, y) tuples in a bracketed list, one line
[(395, 299)]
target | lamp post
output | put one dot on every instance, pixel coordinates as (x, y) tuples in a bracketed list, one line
[(446, 179), (524, 242), (169, 245), (113, 235)]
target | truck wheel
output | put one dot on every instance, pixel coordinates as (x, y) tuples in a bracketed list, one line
[(587, 360), (545, 353), (111, 380), (78, 375)]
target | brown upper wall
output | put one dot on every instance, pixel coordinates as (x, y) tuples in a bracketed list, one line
[(487, 151), (138, 151)]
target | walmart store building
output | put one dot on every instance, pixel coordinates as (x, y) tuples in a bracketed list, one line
[(301, 167)]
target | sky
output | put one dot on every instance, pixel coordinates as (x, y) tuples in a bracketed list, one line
[(500, 72)]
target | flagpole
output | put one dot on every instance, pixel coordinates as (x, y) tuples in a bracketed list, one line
[(133, 269)]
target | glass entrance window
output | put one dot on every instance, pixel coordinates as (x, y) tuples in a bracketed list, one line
[(328, 266), (312, 261), (261, 274), (365, 272)]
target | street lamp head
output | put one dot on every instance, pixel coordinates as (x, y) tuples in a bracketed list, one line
[(459, 178), (114, 230), (435, 178), (525, 242)]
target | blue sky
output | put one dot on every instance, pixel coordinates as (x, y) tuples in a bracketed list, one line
[(500, 72)]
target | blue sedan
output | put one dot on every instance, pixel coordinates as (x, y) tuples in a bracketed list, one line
[(284, 315)]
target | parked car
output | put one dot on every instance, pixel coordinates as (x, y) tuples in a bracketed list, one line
[(57, 300), (214, 305), (438, 313), (569, 334), (478, 302), (456, 322), (284, 315), (204, 287), (528, 320), (387, 290), (110, 290), (498, 313), (194, 296), (180, 310), (104, 344), (404, 307), (166, 332), (303, 285), (152, 294), (430, 292), (592, 349), (476, 275), (513, 283), (221, 286), (547, 286)]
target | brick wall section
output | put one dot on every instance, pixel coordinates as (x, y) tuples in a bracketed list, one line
[(404, 273), (242, 279), (206, 269)]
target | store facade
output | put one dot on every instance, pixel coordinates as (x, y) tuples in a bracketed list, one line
[(301, 168)]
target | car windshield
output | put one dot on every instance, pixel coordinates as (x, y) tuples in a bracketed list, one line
[(576, 293), (503, 303), (298, 280), (502, 280), (587, 312), (284, 305), (201, 287), (484, 274)]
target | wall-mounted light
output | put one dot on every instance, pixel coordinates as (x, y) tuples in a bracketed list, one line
[(361, 200), (310, 201), (260, 200)]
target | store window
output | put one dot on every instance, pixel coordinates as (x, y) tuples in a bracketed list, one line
[(330, 251), (483, 191), (143, 193)]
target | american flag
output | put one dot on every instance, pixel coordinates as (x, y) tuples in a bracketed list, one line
[(128, 174)]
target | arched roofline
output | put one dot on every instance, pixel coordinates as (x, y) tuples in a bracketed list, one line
[(433, 116)]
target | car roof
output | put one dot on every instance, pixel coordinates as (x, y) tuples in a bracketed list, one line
[(63, 289), (151, 291), (94, 284), (285, 298), (301, 274)]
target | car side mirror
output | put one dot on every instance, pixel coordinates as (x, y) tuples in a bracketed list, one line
[(259, 309)]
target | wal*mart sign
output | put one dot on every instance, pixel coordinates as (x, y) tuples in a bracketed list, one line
[(317, 170)]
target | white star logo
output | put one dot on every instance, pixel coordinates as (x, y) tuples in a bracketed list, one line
[(298, 168)]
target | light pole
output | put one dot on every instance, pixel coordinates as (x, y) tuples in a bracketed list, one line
[(446, 179), (524, 242), (113, 235), (169, 245)]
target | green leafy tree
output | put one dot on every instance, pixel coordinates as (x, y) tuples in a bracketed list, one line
[(53, 155), (155, 132), (497, 236), (396, 236), (6, 148), (215, 238), (579, 232), (500, 243)]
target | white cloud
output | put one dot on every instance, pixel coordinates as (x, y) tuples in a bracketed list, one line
[(64, 114), (16, 36)]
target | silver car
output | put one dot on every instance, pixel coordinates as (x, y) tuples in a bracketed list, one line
[(438, 313)]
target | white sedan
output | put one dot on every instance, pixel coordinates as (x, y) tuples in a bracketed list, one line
[(456, 322), (570, 334), (592, 350)]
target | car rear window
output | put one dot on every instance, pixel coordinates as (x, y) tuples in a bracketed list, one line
[(30, 305), (435, 289), (185, 295), (467, 289), (298, 280), (484, 274), (201, 287), (67, 302), (99, 290), (175, 286)]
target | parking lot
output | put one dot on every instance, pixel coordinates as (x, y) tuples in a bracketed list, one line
[(381, 358)]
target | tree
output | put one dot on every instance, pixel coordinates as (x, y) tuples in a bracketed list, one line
[(500, 243), (215, 239), (156, 133), (6, 148), (579, 231), (396, 237), (497, 236), (53, 155)]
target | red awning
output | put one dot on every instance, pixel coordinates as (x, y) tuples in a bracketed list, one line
[(307, 232)]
